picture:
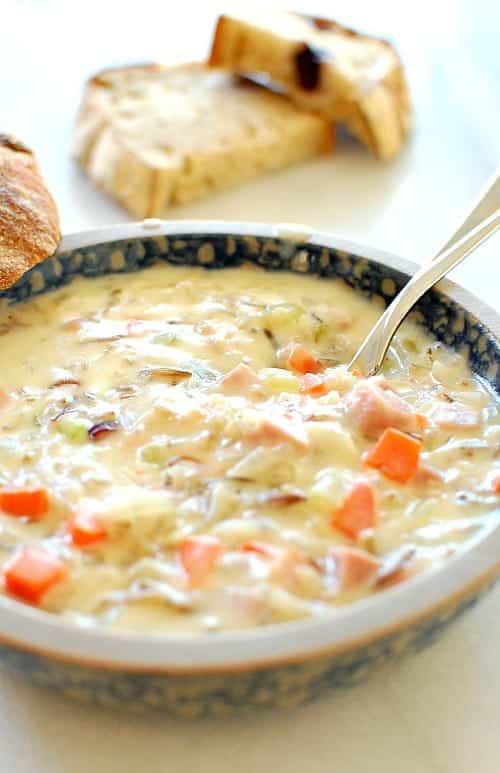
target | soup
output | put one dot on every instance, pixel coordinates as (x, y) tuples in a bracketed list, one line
[(184, 450)]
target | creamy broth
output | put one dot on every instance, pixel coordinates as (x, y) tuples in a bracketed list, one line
[(183, 450)]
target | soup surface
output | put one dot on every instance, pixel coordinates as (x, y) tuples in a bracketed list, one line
[(182, 450)]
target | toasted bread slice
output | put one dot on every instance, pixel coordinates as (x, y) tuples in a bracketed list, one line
[(153, 136), (324, 67), (29, 222)]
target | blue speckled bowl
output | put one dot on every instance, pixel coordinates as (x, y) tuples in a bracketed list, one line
[(283, 665)]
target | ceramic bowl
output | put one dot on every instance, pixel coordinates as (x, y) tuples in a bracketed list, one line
[(279, 665)]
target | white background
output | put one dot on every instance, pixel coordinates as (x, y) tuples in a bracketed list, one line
[(441, 710)]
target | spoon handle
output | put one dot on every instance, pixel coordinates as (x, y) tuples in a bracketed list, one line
[(372, 351), (485, 205)]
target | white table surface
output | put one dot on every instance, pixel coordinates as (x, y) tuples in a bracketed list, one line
[(440, 711)]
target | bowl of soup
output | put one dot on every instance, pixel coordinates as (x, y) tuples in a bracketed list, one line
[(202, 508)]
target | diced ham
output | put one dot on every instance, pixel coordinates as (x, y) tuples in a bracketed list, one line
[(354, 567), (282, 569), (372, 408), (427, 474), (199, 555), (453, 416), (239, 379), (396, 567), (271, 432)]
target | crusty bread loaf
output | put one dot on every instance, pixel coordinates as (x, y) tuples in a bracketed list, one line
[(153, 136), (29, 223), (324, 67)]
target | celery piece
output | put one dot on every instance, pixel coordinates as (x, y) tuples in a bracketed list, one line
[(282, 314), (74, 429), (154, 453), (327, 490), (167, 339)]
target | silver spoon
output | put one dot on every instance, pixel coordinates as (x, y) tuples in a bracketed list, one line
[(370, 355)]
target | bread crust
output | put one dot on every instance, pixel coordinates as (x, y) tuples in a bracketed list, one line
[(324, 67), (29, 221)]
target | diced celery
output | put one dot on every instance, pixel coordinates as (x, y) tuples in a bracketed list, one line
[(177, 334), (282, 313), (154, 453), (201, 371), (74, 428), (276, 380), (322, 332), (167, 339), (327, 490)]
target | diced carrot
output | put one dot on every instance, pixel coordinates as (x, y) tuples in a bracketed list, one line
[(198, 557), (313, 385), (357, 511), (395, 454), (277, 430), (262, 548), (302, 361), (32, 503), (495, 484), (85, 529), (33, 572), (4, 398), (239, 378), (354, 567)]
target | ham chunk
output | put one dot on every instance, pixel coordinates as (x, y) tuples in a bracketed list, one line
[(454, 416), (427, 474), (270, 432), (239, 379), (353, 567), (372, 408)]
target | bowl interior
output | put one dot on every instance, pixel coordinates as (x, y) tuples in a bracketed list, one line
[(449, 313)]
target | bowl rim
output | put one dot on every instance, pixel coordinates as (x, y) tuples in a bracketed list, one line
[(338, 632)]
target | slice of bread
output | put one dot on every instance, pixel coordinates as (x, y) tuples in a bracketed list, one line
[(153, 136), (29, 222), (324, 67)]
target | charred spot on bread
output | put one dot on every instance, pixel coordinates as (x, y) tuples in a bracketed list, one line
[(308, 66)]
